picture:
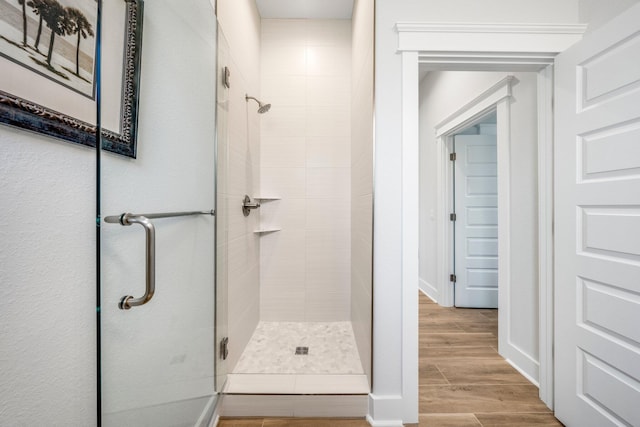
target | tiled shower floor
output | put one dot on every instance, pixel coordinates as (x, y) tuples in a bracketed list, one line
[(269, 363), (271, 350)]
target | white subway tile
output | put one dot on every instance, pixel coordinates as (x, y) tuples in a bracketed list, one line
[(327, 251), (328, 183), (293, 31), (284, 303), (284, 59), (283, 257), (284, 121), (284, 182), (323, 305), (327, 215), (328, 152), (284, 91), (328, 61), (332, 32), (328, 121), (328, 90), (283, 152), (288, 214)]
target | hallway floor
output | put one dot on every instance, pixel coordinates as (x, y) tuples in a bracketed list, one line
[(464, 382)]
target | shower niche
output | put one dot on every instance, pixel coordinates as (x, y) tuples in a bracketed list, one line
[(294, 286)]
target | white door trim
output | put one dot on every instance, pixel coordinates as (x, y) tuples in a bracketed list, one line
[(545, 233), (459, 49)]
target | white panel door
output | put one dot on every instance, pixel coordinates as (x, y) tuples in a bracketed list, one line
[(476, 225), (597, 226)]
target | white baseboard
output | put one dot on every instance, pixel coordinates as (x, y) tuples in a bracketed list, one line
[(385, 410), (384, 423), (523, 373), (429, 290), (523, 363)]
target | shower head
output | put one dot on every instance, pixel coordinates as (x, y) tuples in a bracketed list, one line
[(262, 108)]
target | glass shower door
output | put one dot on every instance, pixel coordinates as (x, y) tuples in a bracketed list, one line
[(157, 308)]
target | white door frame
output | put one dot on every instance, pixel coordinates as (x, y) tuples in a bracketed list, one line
[(480, 47)]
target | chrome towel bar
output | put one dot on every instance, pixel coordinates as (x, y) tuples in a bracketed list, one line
[(117, 219), (128, 301)]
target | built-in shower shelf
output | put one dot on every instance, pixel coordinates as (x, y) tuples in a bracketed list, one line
[(267, 198), (267, 230)]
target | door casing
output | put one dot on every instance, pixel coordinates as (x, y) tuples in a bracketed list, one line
[(479, 47)]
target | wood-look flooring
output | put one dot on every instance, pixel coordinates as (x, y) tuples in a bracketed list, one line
[(464, 382)]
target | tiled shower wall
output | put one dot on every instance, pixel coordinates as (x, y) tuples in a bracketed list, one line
[(362, 179), (305, 268)]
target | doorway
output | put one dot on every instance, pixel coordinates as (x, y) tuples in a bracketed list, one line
[(480, 47), (502, 262), (474, 217)]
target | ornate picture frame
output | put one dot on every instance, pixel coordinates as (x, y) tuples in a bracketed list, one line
[(31, 101)]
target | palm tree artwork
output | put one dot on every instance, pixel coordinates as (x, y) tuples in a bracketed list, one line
[(78, 24), (38, 6), (53, 38), (55, 16), (24, 21)]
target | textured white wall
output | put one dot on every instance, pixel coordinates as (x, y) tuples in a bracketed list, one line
[(306, 160), (362, 178), (47, 281), (442, 94), (240, 23)]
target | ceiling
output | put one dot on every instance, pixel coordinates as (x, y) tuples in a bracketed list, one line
[(305, 9)]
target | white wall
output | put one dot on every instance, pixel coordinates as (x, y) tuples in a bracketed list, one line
[(240, 23), (390, 402), (306, 161), (47, 281), (442, 94), (597, 12), (362, 178)]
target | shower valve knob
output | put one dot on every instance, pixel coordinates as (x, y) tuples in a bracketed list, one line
[(247, 205)]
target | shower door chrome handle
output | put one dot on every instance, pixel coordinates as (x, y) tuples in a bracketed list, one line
[(128, 301)]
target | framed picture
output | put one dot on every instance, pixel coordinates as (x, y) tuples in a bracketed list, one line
[(48, 67)]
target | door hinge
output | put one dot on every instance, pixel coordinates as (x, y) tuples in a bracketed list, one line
[(452, 157), (224, 348), (453, 217), (452, 278)]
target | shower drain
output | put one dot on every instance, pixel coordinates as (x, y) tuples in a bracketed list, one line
[(302, 351)]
